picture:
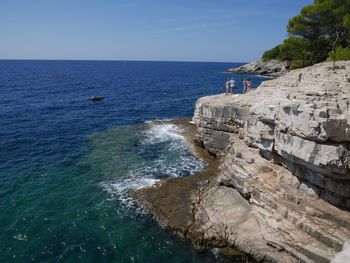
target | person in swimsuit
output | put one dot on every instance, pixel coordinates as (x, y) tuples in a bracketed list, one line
[(249, 84), (287, 63)]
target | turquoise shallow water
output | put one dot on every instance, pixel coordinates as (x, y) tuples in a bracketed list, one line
[(67, 164)]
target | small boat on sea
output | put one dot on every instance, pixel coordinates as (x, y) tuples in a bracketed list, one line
[(97, 98)]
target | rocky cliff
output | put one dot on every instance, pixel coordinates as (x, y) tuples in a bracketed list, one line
[(286, 150), (272, 68), (282, 190)]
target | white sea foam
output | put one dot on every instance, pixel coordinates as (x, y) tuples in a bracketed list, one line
[(157, 119), (174, 160), (344, 255), (216, 253), (20, 237), (162, 133), (119, 190), (218, 256)]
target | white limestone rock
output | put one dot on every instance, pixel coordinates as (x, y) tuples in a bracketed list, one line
[(271, 68), (285, 147)]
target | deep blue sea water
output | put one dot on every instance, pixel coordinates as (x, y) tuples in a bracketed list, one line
[(67, 163)]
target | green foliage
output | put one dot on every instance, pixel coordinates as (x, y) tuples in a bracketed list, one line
[(324, 20), (346, 21), (297, 49), (339, 54), (315, 32), (273, 53), (298, 64)]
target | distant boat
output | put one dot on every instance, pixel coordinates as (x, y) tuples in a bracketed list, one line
[(97, 98)]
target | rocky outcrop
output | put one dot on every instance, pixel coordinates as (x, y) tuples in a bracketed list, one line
[(281, 190), (271, 68), (286, 150)]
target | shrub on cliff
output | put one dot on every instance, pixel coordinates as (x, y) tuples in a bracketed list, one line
[(298, 64), (298, 50), (347, 21), (339, 54), (273, 53)]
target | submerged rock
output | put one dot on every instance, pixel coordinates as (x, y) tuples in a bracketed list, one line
[(271, 68), (282, 190)]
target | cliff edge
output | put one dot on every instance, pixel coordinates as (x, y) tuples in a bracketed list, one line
[(281, 192)]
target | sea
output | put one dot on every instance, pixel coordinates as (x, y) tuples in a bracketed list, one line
[(68, 164)]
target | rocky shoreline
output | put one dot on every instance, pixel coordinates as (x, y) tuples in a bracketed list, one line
[(271, 68), (172, 201), (279, 187)]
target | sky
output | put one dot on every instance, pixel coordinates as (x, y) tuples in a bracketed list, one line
[(176, 30)]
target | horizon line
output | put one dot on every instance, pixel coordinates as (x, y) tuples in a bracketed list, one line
[(122, 60)]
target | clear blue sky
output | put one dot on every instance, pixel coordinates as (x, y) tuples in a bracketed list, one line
[(179, 30)]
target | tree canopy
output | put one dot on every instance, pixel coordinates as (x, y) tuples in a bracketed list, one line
[(317, 33)]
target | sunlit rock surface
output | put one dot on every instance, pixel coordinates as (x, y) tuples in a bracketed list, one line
[(271, 68), (283, 188)]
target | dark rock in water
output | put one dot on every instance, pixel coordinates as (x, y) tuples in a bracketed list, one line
[(97, 98)]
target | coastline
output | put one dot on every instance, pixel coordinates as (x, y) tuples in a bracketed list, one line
[(278, 190), (270, 69), (172, 201), (87, 156)]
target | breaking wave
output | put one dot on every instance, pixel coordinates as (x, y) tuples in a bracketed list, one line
[(161, 152)]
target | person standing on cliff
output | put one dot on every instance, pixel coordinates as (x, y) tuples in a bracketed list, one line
[(249, 84), (227, 87), (287, 63), (245, 86), (233, 85)]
